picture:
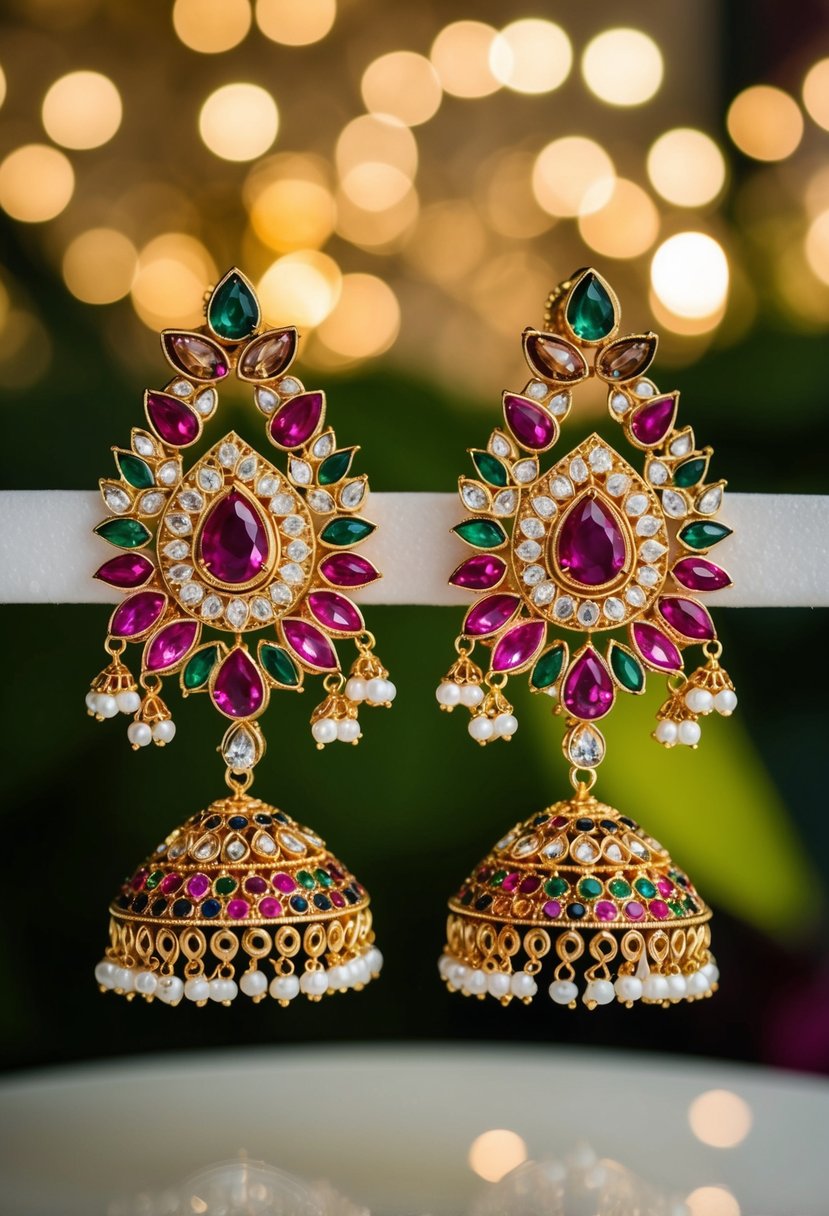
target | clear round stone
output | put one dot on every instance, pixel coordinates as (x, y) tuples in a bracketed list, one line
[(559, 404), (151, 503), (116, 499), (588, 614), (710, 501), (191, 500), (247, 469), (619, 403), (528, 550), (266, 400), (648, 525), (561, 487), (179, 574), (320, 501), (648, 576), (300, 472), (505, 502), (564, 607), (176, 549), (211, 608), (293, 525), (525, 470), (635, 596), (281, 594), (674, 504), (143, 445), (645, 388), (261, 609), (635, 504), (585, 748), (578, 470), (281, 504), (297, 551), (292, 573), (613, 609), (536, 389), (651, 550), (600, 460), (288, 385), (543, 594), (236, 850), (499, 446), (182, 388), (167, 474), (236, 613), (209, 479), (682, 444), (239, 750), (532, 528), (179, 524), (324, 446), (544, 506), (657, 473), (533, 575), (191, 593), (205, 402), (617, 484), (267, 485), (228, 455), (352, 495)]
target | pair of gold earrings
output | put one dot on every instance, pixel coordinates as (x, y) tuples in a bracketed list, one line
[(238, 576)]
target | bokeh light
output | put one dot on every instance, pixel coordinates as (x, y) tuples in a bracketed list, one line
[(82, 110), (817, 246), (99, 265), (449, 243), (169, 283), (689, 274), (816, 93), (506, 197), (377, 159), (720, 1118), (366, 320), (686, 167), (623, 67), (461, 55), (380, 231), (295, 22), (2, 86), (36, 183), (712, 1201), (765, 123), (300, 289), (403, 85), (573, 175), (211, 26), (531, 56), (494, 1153), (239, 121), (293, 213), (626, 226)]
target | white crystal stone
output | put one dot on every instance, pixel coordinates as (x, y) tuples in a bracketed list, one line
[(473, 497), (585, 748), (564, 607), (561, 487), (228, 455), (586, 851), (635, 504), (543, 594), (297, 551), (657, 473), (182, 388), (211, 608), (236, 613), (613, 609), (191, 500), (651, 550), (505, 502), (247, 468), (293, 525), (143, 445), (682, 444), (674, 504), (525, 471), (648, 576), (324, 445), (236, 849), (176, 549), (709, 502), (209, 479), (537, 389), (619, 403), (600, 460), (613, 852), (635, 596), (352, 495), (532, 528), (555, 848), (267, 485), (261, 609), (191, 593), (544, 506), (499, 446), (281, 504), (588, 614), (288, 385), (300, 472), (617, 484), (292, 573), (205, 402), (266, 400), (179, 524), (117, 499), (533, 575), (264, 843), (281, 594), (559, 404), (645, 388), (648, 525), (168, 473), (320, 501), (179, 573), (239, 750), (578, 470), (151, 503), (528, 550)]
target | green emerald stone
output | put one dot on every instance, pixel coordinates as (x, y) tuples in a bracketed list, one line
[(153, 880), (306, 880), (335, 467), (482, 533), (548, 668), (619, 888), (703, 533), (556, 886), (324, 880), (590, 312), (233, 312), (279, 665), (590, 888), (691, 472), (135, 471), (125, 533), (490, 467), (197, 672), (627, 670), (224, 886), (676, 907), (346, 531), (645, 887), (497, 878)]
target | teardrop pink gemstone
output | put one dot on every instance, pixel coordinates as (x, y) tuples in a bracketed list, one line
[(519, 646), (348, 570), (490, 614), (655, 647), (687, 617), (195, 355), (531, 425), (587, 692), (126, 571), (234, 545), (295, 422), (268, 355), (137, 614), (170, 644), (309, 644), (698, 574), (335, 612), (479, 572), (590, 545), (238, 690), (650, 423), (172, 420)]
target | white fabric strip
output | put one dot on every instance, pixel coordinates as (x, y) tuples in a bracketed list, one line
[(778, 556)]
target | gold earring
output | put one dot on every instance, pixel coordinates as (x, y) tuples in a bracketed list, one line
[(566, 558)]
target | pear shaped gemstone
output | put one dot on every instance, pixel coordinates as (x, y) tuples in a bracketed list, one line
[(651, 422), (590, 545), (172, 420), (587, 692), (294, 423), (233, 312), (238, 690), (234, 546), (531, 425), (590, 312)]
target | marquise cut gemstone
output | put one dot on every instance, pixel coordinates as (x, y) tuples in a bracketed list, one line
[(238, 690), (294, 423), (687, 617), (348, 570), (126, 571), (268, 355), (170, 645), (590, 312), (531, 425), (554, 359), (655, 647), (650, 423), (195, 355), (519, 646), (335, 612), (309, 644), (137, 614), (590, 544), (172, 419), (698, 574), (491, 614), (234, 545), (233, 312), (702, 534), (626, 358), (479, 573), (587, 692), (126, 533)]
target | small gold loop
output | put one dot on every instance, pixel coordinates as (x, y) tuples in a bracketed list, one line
[(334, 682), (336, 937), (632, 945), (314, 941), (582, 784), (193, 944), (712, 649), (603, 947), (115, 646), (239, 782), (496, 679), (536, 944), (288, 941), (464, 645), (224, 944), (365, 640), (658, 946), (569, 946), (151, 682), (256, 943), (676, 681)]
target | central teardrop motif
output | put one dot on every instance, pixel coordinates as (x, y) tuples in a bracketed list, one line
[(234, 546), (590, 545)]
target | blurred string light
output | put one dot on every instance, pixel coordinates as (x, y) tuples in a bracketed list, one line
[(573, 175), (689, 277), (712, 1201), (816, 93), (364, 323), (239, 122), (816, 246), (494, 1153), (623, 67), (720, 1118), (531, 56), (626, 226), (36, 183), (461, 55), (376, 158), (686, 167), (293, 212), (403, 85), (765, 123), (384, 231), (82, 110), (168, 286), (99, 266), (295, 22), (301, 288), (211, 26)]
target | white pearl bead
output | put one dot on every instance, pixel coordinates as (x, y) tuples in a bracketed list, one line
[(337, 978), (376, 691), (563, 991), (677, 987), (725, 702), (475, 983), (164, 731), (139, 734), (223, 990), (348, 729), (313, 983), (374, 961), (254, 983), (689, 733), (106, 706), (506, 725), (146, 982), (699, 700), (363, 970), (90, 700), (448, 693), (391, 691), (628, 988), (353, 972), (170, 989), (324, 730), (666, 732), (197, 988), (457, 974), (655, 987), (523, 985), (123, 979), (711, 971), (444, 963), (697, 984), (105, 973), (600, 991), (471, 695), (128, 702), (355, 690), (284, 987), (481, 729), (498, 984)]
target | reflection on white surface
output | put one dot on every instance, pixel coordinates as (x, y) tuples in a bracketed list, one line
[(712, 1201), (494, 1153), (720, 1118)]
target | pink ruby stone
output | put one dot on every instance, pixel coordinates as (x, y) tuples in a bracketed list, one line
[(590, 545), (137, 614), (529, 884), (650, 423), (634, 910), (170, 883), (172, 420), (588, 689), (687, 617), (337, 899), (334, 611), (237, 909), (490, 614), (665, 887), (698, 574), (605, 910), (659, 909), (348, 570), (511, 881), (138, 879), (295, 422), (238, 690), (479, 572), (126, 571), (284, 883), (552, 908), (656, 648), (270, 907), (531, 425), (558, 821), (519, 645), (309, 644), (170, 644), (197, 886), (234, 545)]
